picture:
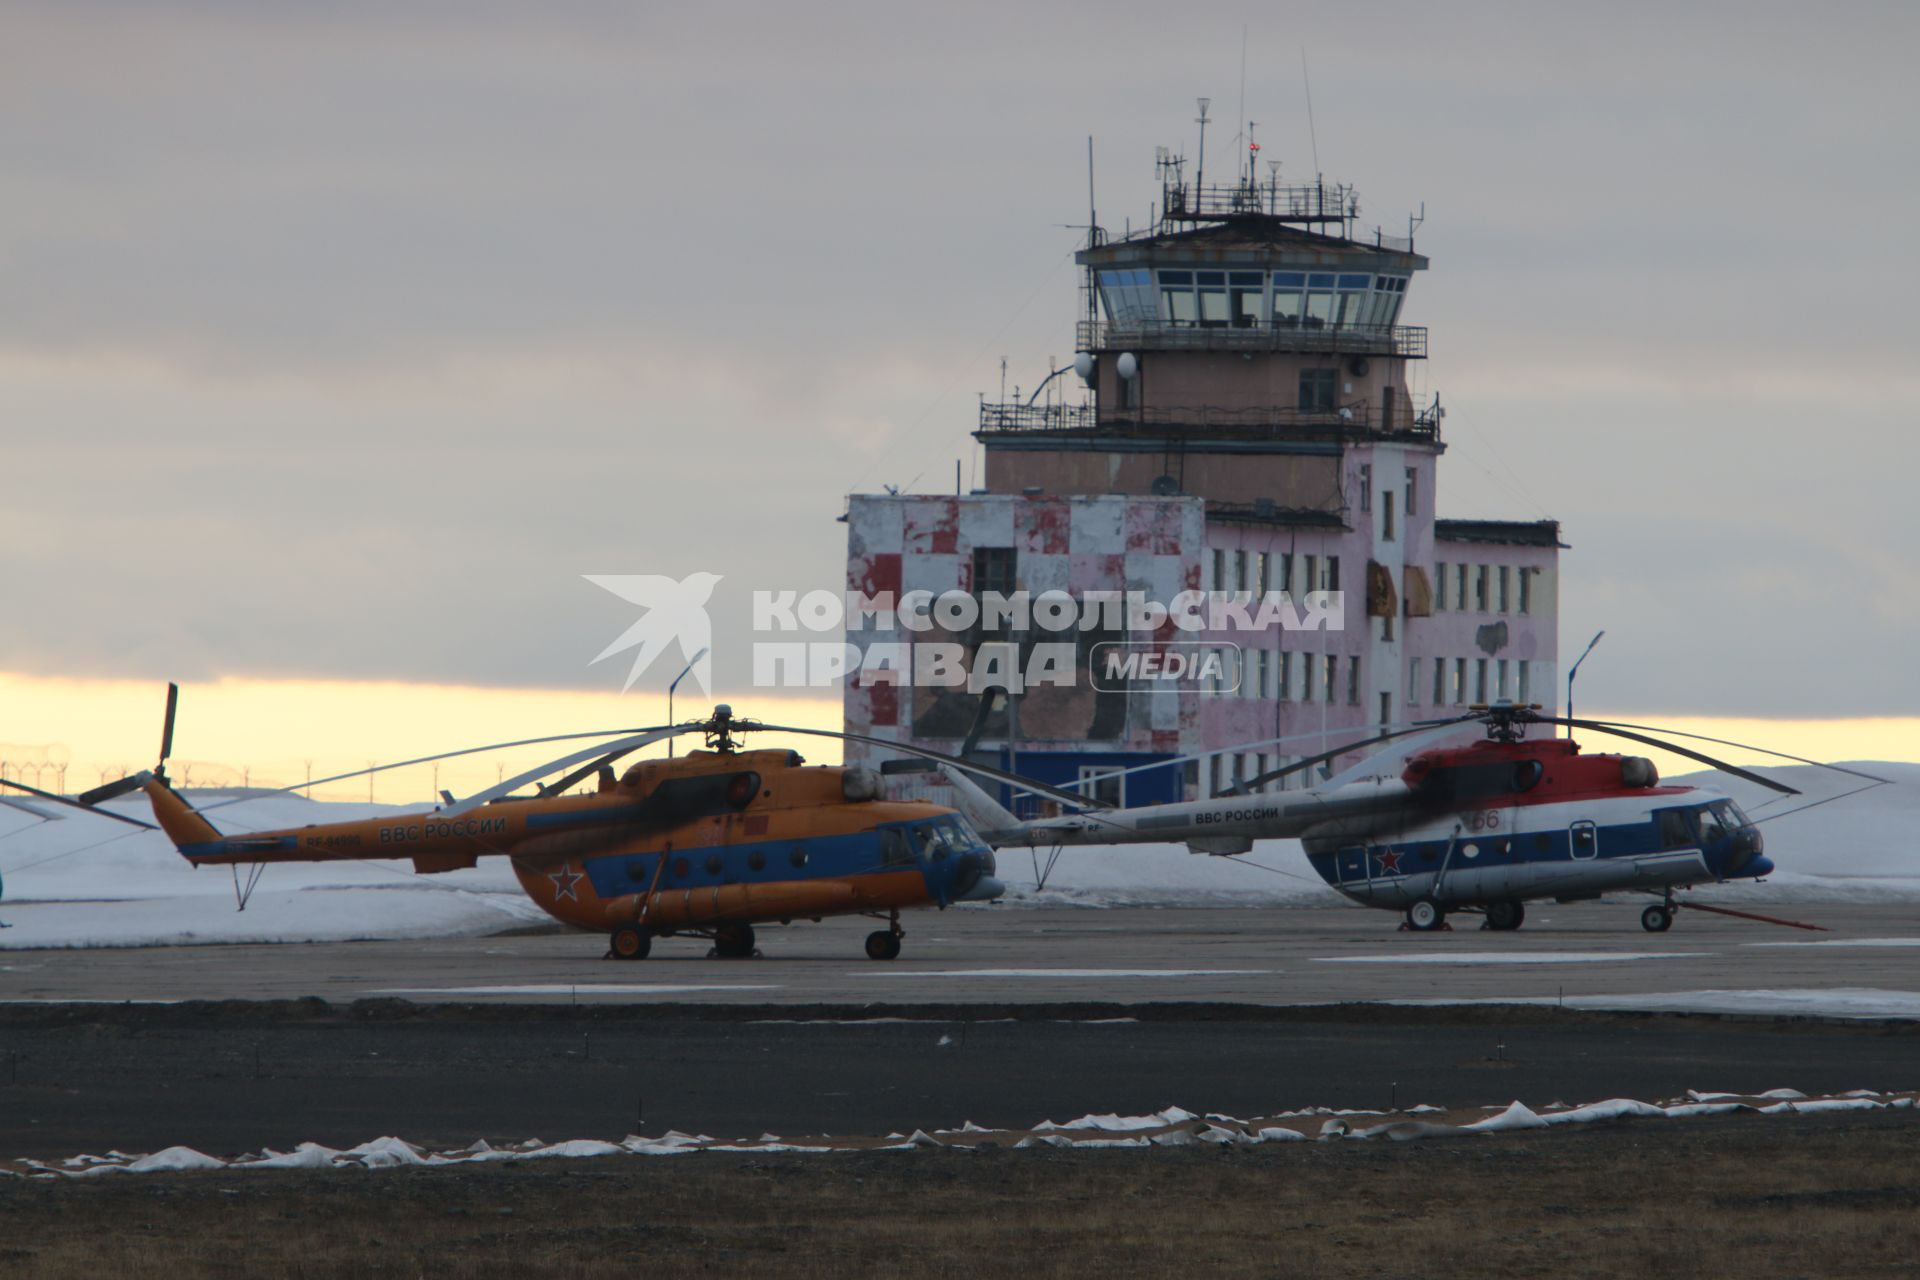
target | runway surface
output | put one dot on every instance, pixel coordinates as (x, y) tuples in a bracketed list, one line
[(1003, 1017), (1590, 953)]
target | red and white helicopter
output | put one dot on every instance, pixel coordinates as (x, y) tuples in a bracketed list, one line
[(1484, 827)]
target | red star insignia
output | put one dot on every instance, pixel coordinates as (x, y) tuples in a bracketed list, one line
[(1389, 862), (564, 881)]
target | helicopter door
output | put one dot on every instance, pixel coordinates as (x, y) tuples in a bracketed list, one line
[(1585, 839), (1351, 864)]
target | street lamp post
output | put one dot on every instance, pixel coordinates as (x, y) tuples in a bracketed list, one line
[(1576, 671), (675, 685)]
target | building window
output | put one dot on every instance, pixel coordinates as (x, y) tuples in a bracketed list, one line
[(1240, 571), (1331, 569), (1310, 570), (1219, 582), (1505, 576), (1212, 288), (1439, 682), (1289, 306), (1317, 390), (1386, 516), (1440, 586), (1521, 694), (1413, 682), (1500, 676), (1386, 709), (1353, 682), (1281, 662), (1261, 567), (1386, 626), (994, 570), (1248, 290), (1480, 680), (1366, 487), (1176, 298), (1526, 589), (1481, 583), (1109, 786), (1459, 681), (1412, 476), (1306, 677), (1285, 580), (1332, 679), (1460, 587)]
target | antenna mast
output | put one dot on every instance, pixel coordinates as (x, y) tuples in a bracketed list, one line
[(1200, 169)]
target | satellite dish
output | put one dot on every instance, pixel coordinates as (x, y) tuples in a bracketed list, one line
[(1165, 486), (1083, 365), (1127, 366)]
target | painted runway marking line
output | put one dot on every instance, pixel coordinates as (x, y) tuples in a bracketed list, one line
[(1513, 957), (1062, 973), (585, 989), (1834, 1002), (1843, 942)]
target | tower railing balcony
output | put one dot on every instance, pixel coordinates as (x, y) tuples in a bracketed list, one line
[(1408, 342), (1357, 421)]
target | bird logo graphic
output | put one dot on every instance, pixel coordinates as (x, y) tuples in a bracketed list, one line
[(676, 615)]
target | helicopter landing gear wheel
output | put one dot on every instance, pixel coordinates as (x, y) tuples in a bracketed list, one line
[(630, 942), (1657, 919), (733, 941), (883, 944), (1425, 916), (1505, 917)]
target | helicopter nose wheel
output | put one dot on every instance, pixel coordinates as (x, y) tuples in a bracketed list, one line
[(1505, 916), (884, 944), (1426, 915), (1657, 919), (630, 942)]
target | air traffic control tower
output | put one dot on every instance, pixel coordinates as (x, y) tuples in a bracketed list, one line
[(1249, 416)]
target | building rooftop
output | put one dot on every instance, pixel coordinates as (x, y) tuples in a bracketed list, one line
[(1512, 533), (1252, 236)]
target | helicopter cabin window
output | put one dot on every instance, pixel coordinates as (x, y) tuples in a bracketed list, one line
[(798, 857), (1585, 839), (1248, 289), (680, 868), (713, 864), (1711, 827), (1675, 831), (1317, 390), (1289, 306), (1176, 298), (757, 860), (1212, 288)]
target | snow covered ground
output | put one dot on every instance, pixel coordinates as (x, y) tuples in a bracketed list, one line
[(74, 879)]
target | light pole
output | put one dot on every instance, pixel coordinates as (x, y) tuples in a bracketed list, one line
[(675, 685), (1576, 671)]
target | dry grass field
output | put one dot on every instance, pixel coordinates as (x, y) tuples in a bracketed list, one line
[(1748, 1197)]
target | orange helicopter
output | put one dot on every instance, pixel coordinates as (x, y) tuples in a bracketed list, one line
[(707, 845)]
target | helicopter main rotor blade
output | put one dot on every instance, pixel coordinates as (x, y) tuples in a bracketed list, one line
[(137, 779), (510, 785), (984, 770), (1747, 746), (166, 727), (586, 770), (445, 755), (1242, 787), (1600, 726)]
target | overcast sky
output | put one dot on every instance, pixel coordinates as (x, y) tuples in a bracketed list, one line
[(340, 340)]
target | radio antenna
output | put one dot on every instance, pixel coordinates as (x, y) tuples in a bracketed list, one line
[(1312, 135)]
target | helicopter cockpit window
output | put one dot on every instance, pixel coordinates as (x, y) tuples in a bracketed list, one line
[(1675, 831), (1731, 815), (1711, 827), (894, 851)]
